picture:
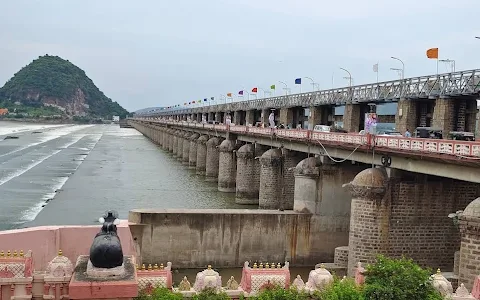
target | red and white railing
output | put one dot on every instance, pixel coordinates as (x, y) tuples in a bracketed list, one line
[(437, 146)]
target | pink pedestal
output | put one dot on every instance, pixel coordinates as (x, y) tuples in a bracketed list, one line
[(150, 279), (256, 279), (121, 287), (476, 288)]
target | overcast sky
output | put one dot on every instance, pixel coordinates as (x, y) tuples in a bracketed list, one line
[(160, 53)]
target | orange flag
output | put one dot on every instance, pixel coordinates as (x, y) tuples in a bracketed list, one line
[(432, 53), (229, 95)]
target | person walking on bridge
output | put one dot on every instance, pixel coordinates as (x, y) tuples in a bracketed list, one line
[(271, 119), (408, 134)]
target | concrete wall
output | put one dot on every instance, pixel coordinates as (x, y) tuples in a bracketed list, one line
[(229, 237)]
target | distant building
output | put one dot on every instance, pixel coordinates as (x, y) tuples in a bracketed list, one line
[(3, 111), (116, 118)]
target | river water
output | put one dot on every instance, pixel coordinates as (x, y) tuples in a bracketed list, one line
[(72, 174)]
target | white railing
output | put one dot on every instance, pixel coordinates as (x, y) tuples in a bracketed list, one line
[(426, 146)]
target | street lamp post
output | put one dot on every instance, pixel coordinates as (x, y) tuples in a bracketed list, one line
[(399, 71), (403, 66), (349, 76), (449, 61), (286, 87), (313, 83)]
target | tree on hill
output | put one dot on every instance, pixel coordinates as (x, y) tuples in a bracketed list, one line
[(51, 80)]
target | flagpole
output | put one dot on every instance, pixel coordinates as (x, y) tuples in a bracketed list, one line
[(377, 72), (437, 66)]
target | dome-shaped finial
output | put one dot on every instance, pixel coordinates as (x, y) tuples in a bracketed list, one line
[(60, 252)]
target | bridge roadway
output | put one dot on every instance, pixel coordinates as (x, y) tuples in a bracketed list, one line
[(446, 158), (456, 84)]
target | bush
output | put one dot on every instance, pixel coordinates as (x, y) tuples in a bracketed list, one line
[(211, 294), (341, 290), (160, 294), (279, 293), (398, 279)]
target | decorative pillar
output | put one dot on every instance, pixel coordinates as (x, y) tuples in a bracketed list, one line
[(186, 148), (201, 155), (192, 153), (307, 174), (369, 217), (271, 179), (351, 118), (211, 168), (470, 246), (227, 169)]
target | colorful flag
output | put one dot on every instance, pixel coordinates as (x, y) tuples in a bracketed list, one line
[(189, 103), (205, 99), (375, 68), (229, 95), (212, 98), (254, 90), (298, 81), (240, 92), (432, 53), (272, 87), (185, 103)]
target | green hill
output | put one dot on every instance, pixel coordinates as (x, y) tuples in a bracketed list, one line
[(52, 85)]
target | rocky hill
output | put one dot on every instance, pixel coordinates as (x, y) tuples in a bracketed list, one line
[(52, 83)]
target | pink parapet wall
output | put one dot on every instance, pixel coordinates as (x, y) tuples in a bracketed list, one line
[(45, 241)]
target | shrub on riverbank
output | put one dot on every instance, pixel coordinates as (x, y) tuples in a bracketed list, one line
[(386, 279)]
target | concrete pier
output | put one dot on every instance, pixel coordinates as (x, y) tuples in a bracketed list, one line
[(202, 155), (211, 167), (271, 180), (192, 154), (227, 171)]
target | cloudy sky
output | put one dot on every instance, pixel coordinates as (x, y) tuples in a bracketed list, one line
[(160, 53)]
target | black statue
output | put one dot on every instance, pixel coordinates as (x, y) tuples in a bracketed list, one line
[(106, 250)]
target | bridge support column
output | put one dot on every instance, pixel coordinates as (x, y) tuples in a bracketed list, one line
[(179, 153), (186, 148), (250, 117), (211, 168), (307, 174), (469, 267), (351, 118), (237, 117), (315, 117), (192, 153), (369, 218), (406, 116), (227, 169), (290, 161), (175, 142), (170, 140), (264, 117), (218, 117), (248, 173), (271, 179), (201, 155), (444, 115), (286, 117), (211, 116)]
